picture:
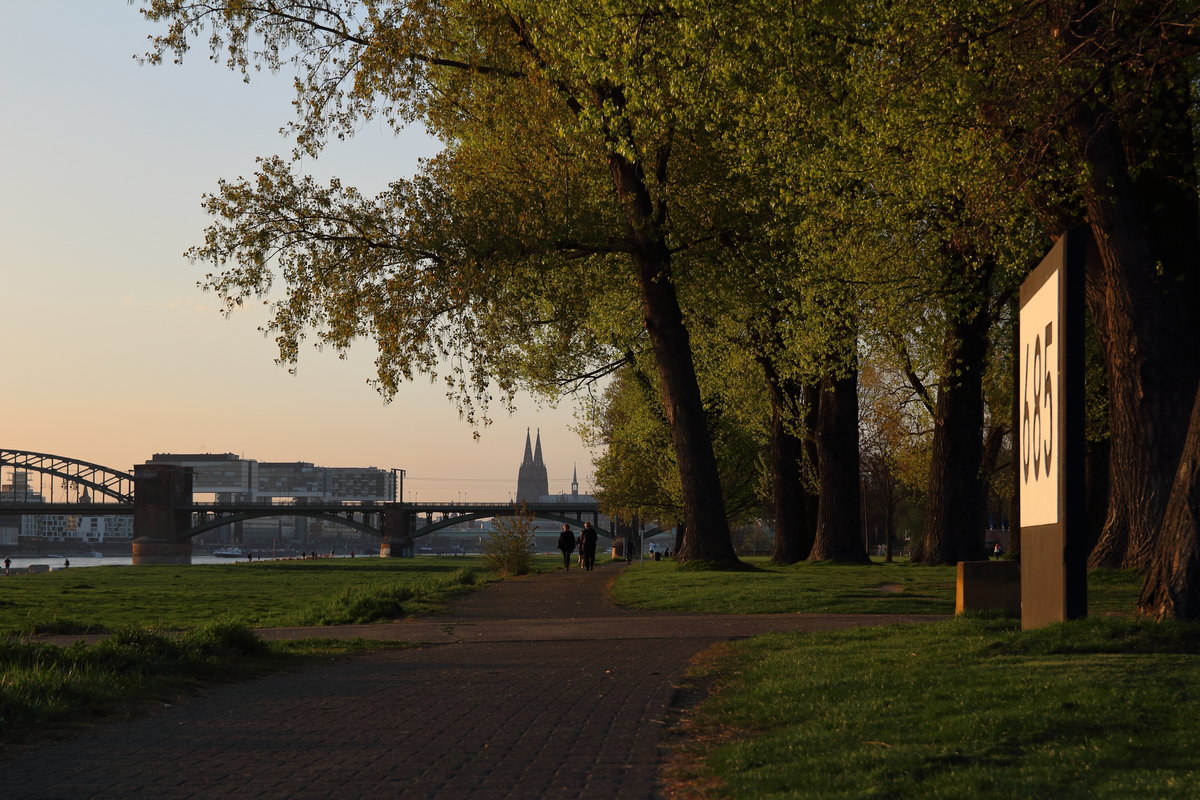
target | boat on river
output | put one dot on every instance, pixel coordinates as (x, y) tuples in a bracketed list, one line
[(229, 552)]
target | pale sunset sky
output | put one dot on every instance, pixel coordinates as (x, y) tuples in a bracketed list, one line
[(110, 351)]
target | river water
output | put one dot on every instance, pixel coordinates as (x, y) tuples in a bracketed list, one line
[(57, 562)]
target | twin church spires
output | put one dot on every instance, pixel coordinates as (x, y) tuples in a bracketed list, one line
[(532, 484)]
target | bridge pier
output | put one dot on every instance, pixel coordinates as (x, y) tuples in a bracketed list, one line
[(158, 527), (396, 527)]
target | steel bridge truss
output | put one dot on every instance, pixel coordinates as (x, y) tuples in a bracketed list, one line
[(368, 519), (106, 482), (209, 518)]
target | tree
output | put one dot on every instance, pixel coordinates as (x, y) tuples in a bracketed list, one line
[(895, 443), (555, 118), (636, 472), (1089, 105)]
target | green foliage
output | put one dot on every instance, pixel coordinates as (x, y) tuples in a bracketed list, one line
[(508, 547)]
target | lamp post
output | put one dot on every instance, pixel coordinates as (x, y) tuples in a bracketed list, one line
[(398, 485)]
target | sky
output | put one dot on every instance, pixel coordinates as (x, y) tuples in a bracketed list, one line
[(111, 352)]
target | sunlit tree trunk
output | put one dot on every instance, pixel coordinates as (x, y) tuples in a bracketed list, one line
[(1172, 586), (707, 534)]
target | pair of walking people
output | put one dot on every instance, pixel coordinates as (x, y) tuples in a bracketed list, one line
[(585, 544)]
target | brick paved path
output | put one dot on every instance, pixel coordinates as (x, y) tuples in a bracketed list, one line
[(542, 689)]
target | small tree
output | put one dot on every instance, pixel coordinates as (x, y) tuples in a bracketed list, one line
[(508, 549)]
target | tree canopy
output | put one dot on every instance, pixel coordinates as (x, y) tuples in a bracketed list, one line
[(735, 199)]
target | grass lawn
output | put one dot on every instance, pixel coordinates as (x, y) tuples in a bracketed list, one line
[(45, 689), (959, 708), (878, 588), (964, 708), (258, 594)]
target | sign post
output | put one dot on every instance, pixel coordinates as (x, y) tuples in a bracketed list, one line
[(1050, 437)]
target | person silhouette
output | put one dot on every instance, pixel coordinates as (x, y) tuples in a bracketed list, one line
[(566, 544), (587, 540)]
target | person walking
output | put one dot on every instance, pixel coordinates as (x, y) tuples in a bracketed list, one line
[(7, 564), (587, 542), (566, 544)]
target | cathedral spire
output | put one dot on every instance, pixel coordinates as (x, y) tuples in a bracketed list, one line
[(532, 484), (574, 480), (529, 448)]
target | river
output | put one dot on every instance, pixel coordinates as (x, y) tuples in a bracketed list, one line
[(57, 562)]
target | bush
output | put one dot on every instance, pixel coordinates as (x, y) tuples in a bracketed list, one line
[(465, 576), (509, 548)]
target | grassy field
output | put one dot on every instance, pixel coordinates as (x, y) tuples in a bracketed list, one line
[(959, 708), (896, 588), (260, 594), (177, 627), (964, 708)]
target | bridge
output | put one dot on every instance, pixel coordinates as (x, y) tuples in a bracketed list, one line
[(165, 516)]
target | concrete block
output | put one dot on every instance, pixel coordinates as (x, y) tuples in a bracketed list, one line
[(989, 586)]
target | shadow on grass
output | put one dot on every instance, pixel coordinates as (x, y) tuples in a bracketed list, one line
[(718, 566), (1112, 635)]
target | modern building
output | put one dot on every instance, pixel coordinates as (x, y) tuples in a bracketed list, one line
[(38, 529), (18, 490), (229, 478), (235, 479)]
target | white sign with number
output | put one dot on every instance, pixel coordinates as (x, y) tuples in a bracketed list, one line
[(1038, 410)]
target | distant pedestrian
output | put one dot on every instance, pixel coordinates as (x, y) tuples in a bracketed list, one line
[(587, 541), (566, 544), (7, 564), (66, 563), (997, 551)]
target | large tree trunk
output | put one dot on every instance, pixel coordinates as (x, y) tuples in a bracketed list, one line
[(1172, 585), (839, 517), (956, 508), (707, 534), (793, 535), (1141, 283)]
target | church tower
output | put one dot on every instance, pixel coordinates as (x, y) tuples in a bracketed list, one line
[(532, 482), (574, 481)]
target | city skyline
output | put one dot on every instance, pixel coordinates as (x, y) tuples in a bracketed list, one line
[(112, 352)]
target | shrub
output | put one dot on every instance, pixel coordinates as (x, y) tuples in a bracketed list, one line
[(509, 548), (465, 576)]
